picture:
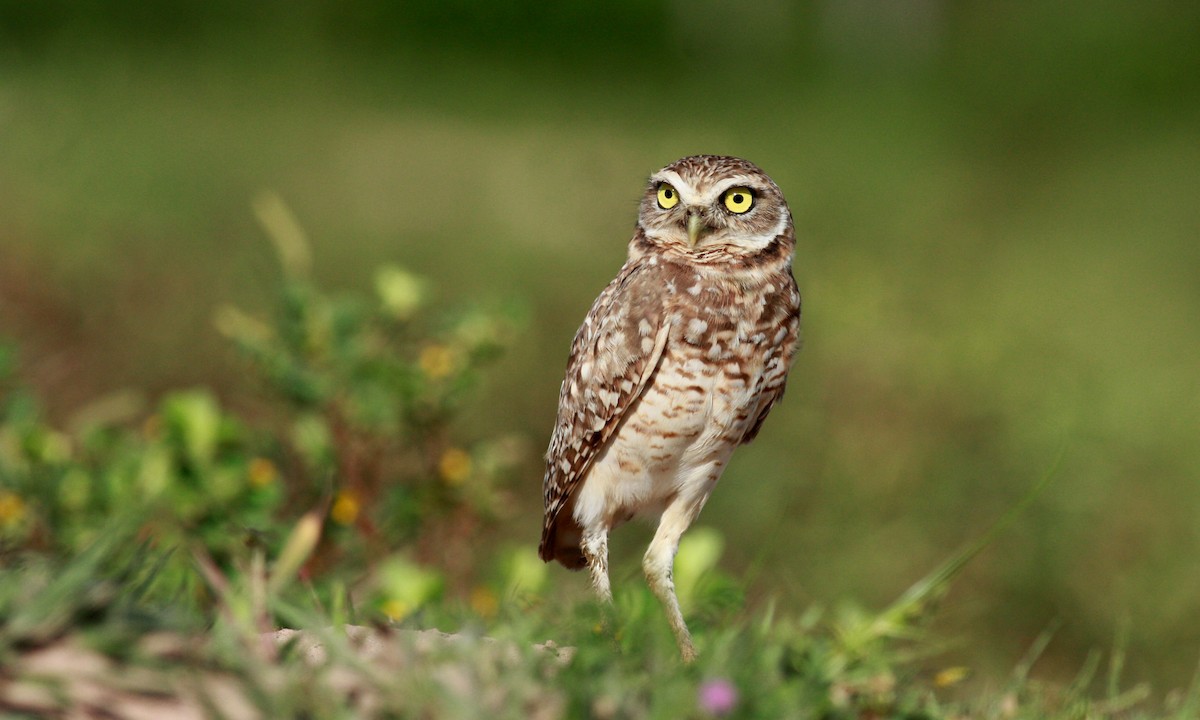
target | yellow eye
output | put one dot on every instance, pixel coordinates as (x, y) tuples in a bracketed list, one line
[(667, 197), (739, 199)]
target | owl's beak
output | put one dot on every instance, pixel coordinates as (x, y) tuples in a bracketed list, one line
[(696, 225)]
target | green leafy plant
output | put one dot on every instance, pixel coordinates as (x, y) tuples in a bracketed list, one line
[(361, 436), (372, 387)]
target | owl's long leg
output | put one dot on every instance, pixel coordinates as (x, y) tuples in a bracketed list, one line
[(658, 564), (595, 550)]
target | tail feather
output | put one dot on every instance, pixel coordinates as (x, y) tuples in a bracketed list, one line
[(560, 541)]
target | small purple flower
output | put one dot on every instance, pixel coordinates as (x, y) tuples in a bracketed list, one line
[(717, 697)]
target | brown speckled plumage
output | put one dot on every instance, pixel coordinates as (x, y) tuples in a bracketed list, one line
[(679, 361)]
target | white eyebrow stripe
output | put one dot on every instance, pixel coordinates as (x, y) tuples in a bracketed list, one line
[(735, 181), (686, 193)]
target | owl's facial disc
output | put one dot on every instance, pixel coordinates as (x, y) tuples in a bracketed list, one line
[(736, 212)]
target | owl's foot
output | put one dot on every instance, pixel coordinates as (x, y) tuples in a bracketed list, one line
[(595, 551), (658, 565)]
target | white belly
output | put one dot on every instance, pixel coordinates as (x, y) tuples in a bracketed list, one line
[(674, 443)]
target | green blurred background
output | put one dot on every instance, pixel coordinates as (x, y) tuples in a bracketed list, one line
[(998, 208)]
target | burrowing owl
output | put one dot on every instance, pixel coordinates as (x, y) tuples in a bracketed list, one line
[(677, 363)]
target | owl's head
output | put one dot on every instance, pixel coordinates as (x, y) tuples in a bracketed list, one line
[(712, 206)]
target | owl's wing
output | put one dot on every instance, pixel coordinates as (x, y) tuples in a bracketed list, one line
[(782, 315), (613, 356)]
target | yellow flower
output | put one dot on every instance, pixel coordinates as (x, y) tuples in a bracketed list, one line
[(396, 610), (484, 602), (262, 472), (951, 676), (345, 508), (12, 509), (437, 361), (455, 466)]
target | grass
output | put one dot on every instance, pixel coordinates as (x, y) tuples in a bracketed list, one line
[(71, 633)]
